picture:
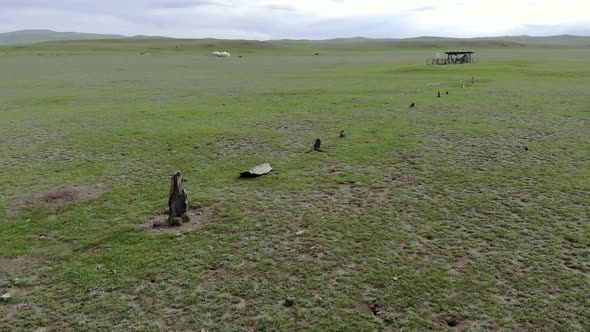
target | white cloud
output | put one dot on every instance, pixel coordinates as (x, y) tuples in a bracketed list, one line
[(315, 19)]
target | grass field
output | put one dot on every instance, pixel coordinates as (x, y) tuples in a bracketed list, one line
[(468, 212)]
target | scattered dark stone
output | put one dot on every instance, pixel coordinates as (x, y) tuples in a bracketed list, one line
[(452, 322), (289, 302), (375, 310), (317, 145), (342, 133), (526, 148), (316, 54), (257, 171), (154, 279), (240, 56), (216, 265), (371, 306)]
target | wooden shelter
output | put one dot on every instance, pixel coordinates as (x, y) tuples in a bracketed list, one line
[(454, 57)]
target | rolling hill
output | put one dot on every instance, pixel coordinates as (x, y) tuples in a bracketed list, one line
[(36, 36), (47, 40)]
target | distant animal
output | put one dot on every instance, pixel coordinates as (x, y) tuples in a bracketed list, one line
[(412, 105), (221, 54), (447, 92), (526, 148), (342, 133), (438, 96)]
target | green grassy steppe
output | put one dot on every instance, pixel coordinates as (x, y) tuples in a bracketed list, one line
[(470, 209)]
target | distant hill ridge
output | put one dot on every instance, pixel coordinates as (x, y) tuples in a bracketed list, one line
[(38, 36), (41, 35)]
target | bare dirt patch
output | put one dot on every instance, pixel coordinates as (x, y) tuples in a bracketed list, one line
[(155, 279), (16, 265), (405, 180), (159, 223), (407, 157), (237, 144), (369, 307), (352, 191), (61, 196)]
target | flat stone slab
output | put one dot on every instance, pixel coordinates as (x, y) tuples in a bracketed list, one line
[(256, 171)]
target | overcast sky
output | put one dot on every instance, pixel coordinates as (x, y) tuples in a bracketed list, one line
[(309, 19)]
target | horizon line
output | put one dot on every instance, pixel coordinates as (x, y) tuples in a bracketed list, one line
[(293, 39)]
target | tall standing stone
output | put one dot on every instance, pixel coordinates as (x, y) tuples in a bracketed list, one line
[(177, 202)]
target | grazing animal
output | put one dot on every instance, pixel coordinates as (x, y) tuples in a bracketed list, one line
[(438, 96), (342, 133), (221, 54), (412, 105), (447, 92)]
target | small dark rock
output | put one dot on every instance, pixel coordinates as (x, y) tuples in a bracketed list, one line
[(526, 148), (289, 302), (317, 145), (452, 322)]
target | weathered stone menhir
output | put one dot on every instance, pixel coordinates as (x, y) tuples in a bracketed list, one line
[(177, 202), (317, 145)]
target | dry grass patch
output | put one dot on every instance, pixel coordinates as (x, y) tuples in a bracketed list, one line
[(16, 265), (60, 196)]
